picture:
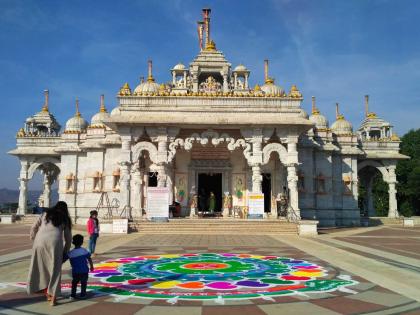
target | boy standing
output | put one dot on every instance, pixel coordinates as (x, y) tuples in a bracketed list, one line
[(79, 259)]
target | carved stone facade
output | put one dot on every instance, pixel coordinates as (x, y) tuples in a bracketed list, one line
[(209, 122)]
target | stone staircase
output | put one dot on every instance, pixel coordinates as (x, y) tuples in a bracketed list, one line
[(215, 227), (28, 219), (375, 221)]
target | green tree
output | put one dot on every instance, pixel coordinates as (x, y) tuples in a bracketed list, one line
[(408, 175)]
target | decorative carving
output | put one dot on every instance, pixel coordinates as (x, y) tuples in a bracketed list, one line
[(138, 148), (204, 138), (210, 85), (274, 147)]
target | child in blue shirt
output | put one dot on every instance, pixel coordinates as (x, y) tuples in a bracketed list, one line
[(79, 259)]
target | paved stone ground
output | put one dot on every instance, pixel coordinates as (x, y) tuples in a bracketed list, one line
[(384, 260)]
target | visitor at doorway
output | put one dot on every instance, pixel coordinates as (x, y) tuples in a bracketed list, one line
[(202, 200), (212, 202)]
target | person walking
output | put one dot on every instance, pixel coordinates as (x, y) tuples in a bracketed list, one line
[(212, 203), (79, 260), (93, 231), (48, 251)]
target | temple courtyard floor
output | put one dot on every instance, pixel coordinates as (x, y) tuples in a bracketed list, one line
[(373, 270)]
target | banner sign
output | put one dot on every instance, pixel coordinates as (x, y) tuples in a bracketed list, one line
[(120, 226), (158, 202), (255, 206)]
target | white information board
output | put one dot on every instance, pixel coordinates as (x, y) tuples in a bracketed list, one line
[(157, 202), (255, 205), (120, 226)]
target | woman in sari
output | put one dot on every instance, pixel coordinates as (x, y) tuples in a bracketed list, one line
[(48, 250)]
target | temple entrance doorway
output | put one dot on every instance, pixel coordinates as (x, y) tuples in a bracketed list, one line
[(209, 183), (266, 190), (152, 179)]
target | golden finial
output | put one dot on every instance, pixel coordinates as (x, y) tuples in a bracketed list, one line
[(125, 90), (257, 87), (211, 46), (394, 137), (371, 115), (77, 108), (20, 133), (150, 75), (337, 113), (45, 107), (294, 92), (162, 87), (315, 111), (102, 108)]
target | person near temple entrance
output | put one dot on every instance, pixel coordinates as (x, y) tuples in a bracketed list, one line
[(202, 199), (212, 202)]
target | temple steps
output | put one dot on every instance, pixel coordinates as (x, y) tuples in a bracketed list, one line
[(216, 226), (27, 219)]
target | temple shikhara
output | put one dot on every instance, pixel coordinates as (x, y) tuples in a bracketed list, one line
[(214, 141)]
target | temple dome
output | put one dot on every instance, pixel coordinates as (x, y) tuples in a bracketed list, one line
[(115, 111), (319, 120), (99, 118), (76, 124), (269, 88), (342, 126), (147, 87), (240, 67), (179, 66)]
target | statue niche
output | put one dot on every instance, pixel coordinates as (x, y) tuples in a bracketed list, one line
[(210, 84)]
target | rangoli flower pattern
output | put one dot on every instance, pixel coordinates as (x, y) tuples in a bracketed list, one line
[(207, 276)]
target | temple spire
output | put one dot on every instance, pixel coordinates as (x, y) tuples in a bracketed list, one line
[(265, 70), (77, 108), (102, 108), (366, 105), (206, 18), (314, 110), (45, 108), (200, 34), (150, 75)]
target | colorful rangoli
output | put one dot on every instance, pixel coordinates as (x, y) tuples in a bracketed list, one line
[(206, 276)]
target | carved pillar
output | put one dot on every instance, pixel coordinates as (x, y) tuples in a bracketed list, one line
[(292, 177), (195, 81), (193, 200), (392, 191), (136, 193), (125, 165), (125, 184), (185, 79), (370, 209), (169, 183), (23, 188), (292, 180), (235, 82), (46, 194), (246, 81), (225, 83), (174, 78), (256, 178)]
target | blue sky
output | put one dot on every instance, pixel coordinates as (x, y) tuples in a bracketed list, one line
[(336, 50)]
